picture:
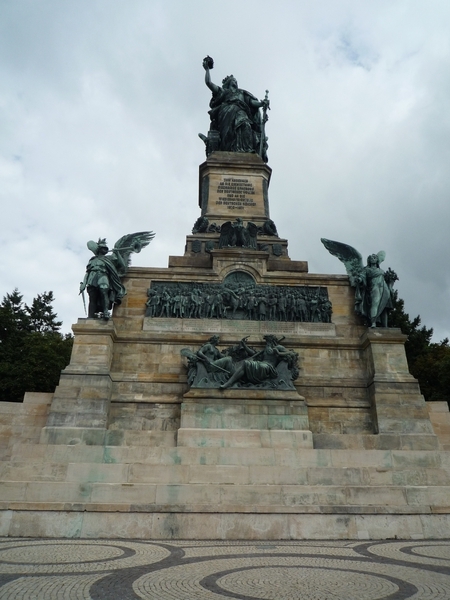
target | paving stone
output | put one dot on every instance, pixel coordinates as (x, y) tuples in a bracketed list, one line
[(93, 569)]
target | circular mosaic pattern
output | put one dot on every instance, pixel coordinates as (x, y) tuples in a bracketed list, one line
[(427, 553), (264, 548), (51, 588), (442, 552), (76, 556), (145, 570), (306, 584), (290, 576), (60, 553)]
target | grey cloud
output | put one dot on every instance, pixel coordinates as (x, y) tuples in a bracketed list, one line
[(102, 101)]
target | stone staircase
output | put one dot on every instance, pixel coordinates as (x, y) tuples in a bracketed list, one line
[(225, 479), (164, 491), (22, 423)]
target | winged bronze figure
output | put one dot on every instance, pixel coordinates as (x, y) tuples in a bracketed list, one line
[(373, 286), (105, 270), (237, 235)]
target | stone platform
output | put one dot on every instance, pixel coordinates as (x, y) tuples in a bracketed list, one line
[(142, 485), (124, 447)]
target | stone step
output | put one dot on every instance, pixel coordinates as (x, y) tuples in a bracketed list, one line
[(18, 433), (440, 419), (74, 436), (298, 523), (14, 436), (382, 441), (97, 508), (215, 497), (244, 438), (277, 457), (79, 472)]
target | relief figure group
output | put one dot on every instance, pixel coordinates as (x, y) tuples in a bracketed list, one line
[(253, 302)]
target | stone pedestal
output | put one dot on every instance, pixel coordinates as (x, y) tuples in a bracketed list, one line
[(244, 418), (234, 185), (80, 406), (399, 410)]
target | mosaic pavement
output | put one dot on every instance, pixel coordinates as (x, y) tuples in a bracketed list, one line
[(126, 570)]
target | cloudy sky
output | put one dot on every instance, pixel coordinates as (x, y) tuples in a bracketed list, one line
[(101, 102)]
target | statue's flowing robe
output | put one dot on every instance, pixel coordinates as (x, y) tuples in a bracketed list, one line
[(259, 371), (376, 295), (102, 274), (235, 119)]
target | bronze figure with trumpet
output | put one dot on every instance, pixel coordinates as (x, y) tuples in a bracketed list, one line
[(105, 270)]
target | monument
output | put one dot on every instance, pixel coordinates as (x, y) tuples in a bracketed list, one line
[(233, 394)]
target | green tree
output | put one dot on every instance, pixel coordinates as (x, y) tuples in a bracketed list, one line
[(428, 362), (32, 350), (419, 338), (41, 316), (13, 312), (432, 369)]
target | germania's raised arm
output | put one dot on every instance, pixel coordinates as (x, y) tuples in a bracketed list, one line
[(208, 64)]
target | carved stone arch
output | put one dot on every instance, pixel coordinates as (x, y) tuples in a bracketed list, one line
[(238, 277), (248, 269)]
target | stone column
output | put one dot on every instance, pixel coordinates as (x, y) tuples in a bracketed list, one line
[(80, 406), (399, 411)]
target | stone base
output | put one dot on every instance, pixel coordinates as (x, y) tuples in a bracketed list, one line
[(201, 526), (244, 418), (234, 184), (270, 487), (243, 438)]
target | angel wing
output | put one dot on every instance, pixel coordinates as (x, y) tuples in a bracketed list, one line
[(131, 242), (381, 256), (226, 235), (351, 258), (252, 232)]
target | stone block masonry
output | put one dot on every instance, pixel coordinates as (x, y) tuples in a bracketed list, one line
[(124, 448)]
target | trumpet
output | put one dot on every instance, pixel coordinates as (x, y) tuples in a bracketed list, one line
[(135, 247)]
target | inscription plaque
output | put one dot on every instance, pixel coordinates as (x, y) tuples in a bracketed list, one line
[(238, 329), (235, 193)]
